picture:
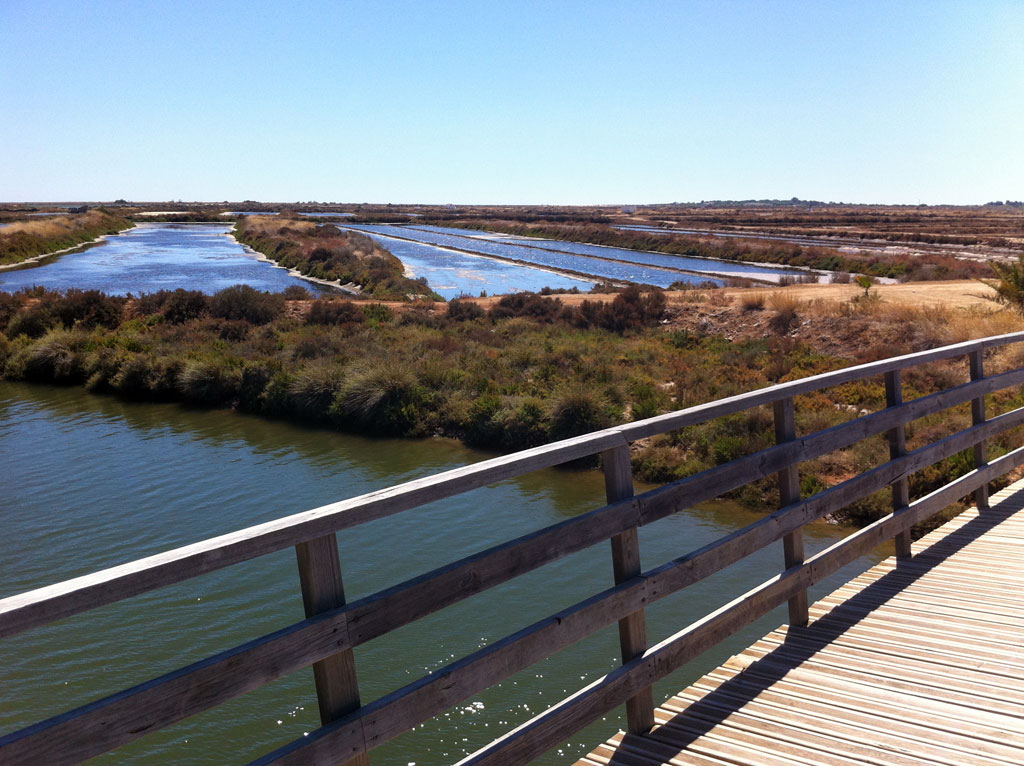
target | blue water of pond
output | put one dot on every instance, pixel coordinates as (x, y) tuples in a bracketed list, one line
[(560, 260), (451, 273), (635, 256), (158, 256)]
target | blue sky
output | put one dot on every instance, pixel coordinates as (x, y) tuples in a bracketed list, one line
[(547, 102)]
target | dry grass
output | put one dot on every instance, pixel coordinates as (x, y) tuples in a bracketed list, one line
[(783, 302), (752, 301), (271, 224), (40, 227)]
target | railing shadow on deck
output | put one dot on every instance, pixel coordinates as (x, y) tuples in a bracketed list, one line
[(801, 643), (334, 627)]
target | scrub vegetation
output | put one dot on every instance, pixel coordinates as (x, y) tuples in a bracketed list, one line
[(525, 370), (325, 252), (22, 240)]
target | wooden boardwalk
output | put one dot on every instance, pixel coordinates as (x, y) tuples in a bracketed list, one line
[(916, 663)]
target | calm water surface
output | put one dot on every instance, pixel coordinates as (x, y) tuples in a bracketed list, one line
[(658, 260), (158, 256), (90, 482), (451, 274), (542, 257)]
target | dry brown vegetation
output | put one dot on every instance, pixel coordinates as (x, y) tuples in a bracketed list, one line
[(26, 239)]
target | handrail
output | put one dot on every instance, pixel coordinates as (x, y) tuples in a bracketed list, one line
[(332, 627), (53, 602)]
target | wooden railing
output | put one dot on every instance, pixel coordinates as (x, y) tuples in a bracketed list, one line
[(332, 628)]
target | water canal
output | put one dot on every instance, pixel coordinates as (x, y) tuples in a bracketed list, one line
[(91, 482), (157, 256)]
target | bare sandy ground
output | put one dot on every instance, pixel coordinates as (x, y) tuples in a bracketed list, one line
[(963, 293)]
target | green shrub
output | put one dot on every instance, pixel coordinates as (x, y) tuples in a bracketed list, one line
[(577, 411), (32, 322), (461, 311), (378, 312), (9, 306), (185, 305), (312, 390), (134, 379), (255, 378), (526, 305), (296, 293), (243, 302), (208, 381), (88, 308), (55, 358), (331, 312), (384, 398)]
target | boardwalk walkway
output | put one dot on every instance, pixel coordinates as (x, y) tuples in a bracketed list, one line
[(920, 663)]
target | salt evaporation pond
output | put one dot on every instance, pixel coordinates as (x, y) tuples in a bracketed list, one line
[(703, 265), (158, 256), (550, 259), (451, 273)]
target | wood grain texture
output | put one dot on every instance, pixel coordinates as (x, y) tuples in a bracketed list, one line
[(875, 678), (898, 448), (618, 481), (337, 687), (977, 365), (789, 493)]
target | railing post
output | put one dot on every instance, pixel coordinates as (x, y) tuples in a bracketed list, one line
[(789, 492), (618, 483), (898, 448), (337, 690), (977, 417)]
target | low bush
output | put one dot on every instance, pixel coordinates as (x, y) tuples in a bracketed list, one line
[(383, 396), (175, 306), (526, 305), (208, 381), (462, 311), (334, 312), (88, 308), (245, 302)]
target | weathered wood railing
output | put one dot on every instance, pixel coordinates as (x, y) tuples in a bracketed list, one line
[(332, 628)]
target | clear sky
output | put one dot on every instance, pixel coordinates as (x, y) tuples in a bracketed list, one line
[(513, 102)]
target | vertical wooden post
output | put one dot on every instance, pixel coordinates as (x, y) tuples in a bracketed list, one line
[(978, 417), (337, 690), (618, 483), (898, 448), (789, 492)]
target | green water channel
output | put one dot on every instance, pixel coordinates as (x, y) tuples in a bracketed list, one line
[(90, 482)]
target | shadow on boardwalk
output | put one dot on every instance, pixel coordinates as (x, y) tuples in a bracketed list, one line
[(741, 715)]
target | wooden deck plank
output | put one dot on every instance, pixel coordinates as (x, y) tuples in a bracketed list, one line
[(920, 662)]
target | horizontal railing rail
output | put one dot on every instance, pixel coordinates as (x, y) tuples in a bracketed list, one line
[(333, 628)]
